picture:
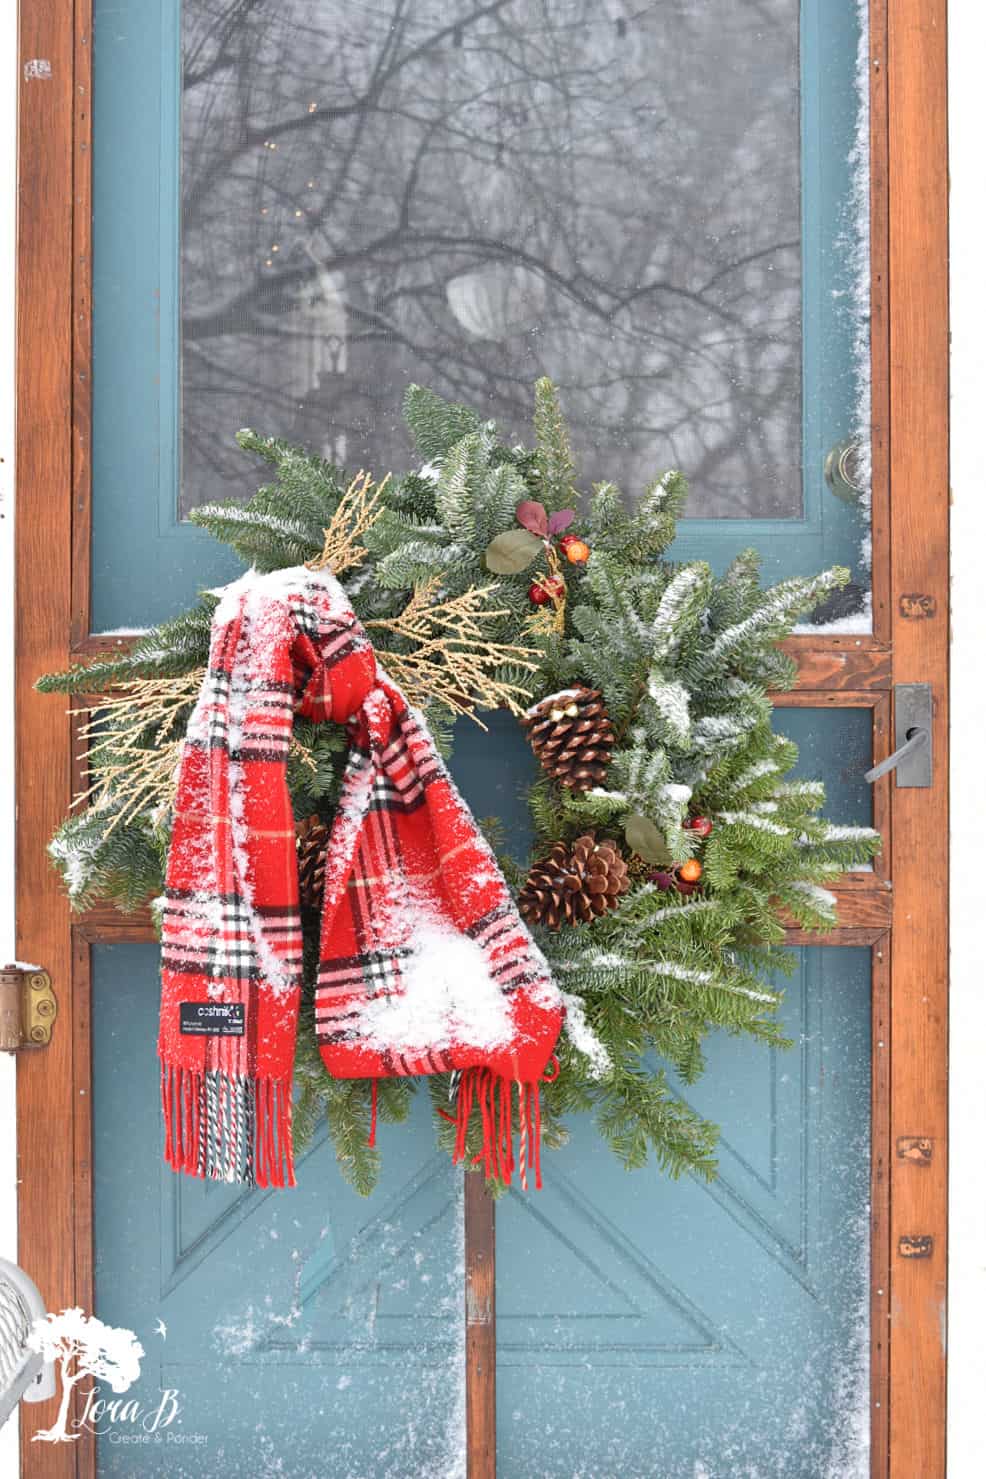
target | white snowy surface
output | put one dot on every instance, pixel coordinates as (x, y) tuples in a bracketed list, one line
[(449, 996), (671, 700), (259, 587), (856, 245), (820, 897), (751, 819), (859, 624), (595, 959), (582, 1037), (850, 1426), (836, 832), (561, 697)]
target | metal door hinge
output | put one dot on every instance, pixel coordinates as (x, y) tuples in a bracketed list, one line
[(27, 1008), (915, 1149), (916, 1245)]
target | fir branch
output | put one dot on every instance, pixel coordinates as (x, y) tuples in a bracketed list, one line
[(555, 463), (174, 648)]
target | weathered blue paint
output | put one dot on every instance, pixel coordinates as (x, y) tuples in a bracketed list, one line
[(689, 1321), (646, 1328), (309, 1332)]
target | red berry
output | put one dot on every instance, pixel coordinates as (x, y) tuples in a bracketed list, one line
[(548, 588), (701, 826)]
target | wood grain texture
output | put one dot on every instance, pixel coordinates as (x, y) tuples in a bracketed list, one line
[(918, 224), (880, 1151), (45, 1097), (104, 923), (480, 1254), (827, 698), (82, 325), (840, 662)]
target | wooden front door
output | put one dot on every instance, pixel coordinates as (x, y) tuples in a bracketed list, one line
[(230, 214)]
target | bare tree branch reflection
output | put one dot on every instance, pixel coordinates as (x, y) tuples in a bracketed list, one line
[(477, 194)]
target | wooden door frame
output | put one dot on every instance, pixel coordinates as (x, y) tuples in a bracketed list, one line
[(909, 328)]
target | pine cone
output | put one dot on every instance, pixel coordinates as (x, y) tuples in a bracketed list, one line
[(572, 735), (574, 884), (312, 838)]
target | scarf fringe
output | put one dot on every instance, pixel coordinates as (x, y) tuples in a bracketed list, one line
[(494, 1097), (227, 1128)]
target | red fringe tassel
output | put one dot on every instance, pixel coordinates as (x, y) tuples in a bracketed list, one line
[(227, 1128), (494, 1097), (373, 1115)]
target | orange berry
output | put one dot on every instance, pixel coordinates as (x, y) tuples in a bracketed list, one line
[(690, 871), (576, 550)]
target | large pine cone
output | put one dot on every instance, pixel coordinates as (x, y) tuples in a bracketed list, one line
[(574, 884), (572, 735), (312, 838)]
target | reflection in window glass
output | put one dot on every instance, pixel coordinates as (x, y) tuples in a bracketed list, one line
[(473, 194)]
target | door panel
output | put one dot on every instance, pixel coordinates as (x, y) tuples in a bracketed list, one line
[(645, 1327), (318, 1301), (306, 1333), (654, 1328)]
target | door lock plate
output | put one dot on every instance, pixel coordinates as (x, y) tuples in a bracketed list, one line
[(912, 713), (911, 759), (27, 1008)]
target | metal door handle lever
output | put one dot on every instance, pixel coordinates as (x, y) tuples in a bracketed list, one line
[(915, 740), (911, 762)]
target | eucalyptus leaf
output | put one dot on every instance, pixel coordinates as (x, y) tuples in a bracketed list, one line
[(512, 552), (646, 840)]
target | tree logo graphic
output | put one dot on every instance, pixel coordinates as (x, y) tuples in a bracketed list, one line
[(83, 1346)]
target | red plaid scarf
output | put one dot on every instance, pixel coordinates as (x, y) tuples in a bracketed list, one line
[(425, 965)]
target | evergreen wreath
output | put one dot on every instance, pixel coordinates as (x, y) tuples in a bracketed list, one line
[(670, 845)]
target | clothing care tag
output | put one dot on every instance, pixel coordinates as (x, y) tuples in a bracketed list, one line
[(212, 1018)]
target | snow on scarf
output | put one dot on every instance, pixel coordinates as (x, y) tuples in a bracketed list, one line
[(424, 965)]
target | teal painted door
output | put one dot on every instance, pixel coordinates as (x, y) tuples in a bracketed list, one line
[(296, 210)]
